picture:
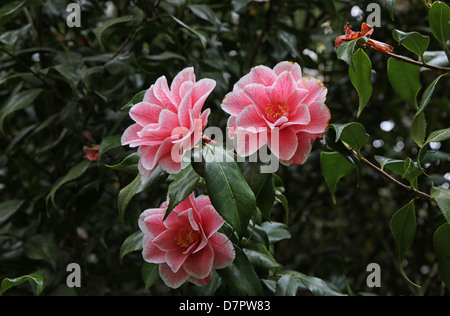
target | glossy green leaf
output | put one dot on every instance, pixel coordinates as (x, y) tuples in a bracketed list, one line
[(287, 285), (395, 165), (135, 100), (74, 173), (229, 192), (403, 228), (330, 137), (346, 50), (266, 197), (129, 164), (131, 243), (259, 256), (413, 41), (439, 17), (441, 241), (108, 143), (192, 30), (43, 247), (8, 208), (98, 31), (360, 76), (276, 231), (136, 187), (334, 167), (10, 8), (442, 198), (183, 185), (351, 134), (241, 275), (316, 286), (17, 102), (436, 136), (390, 4), (36, 279), (150, 274), (418, 129), (405, 80)]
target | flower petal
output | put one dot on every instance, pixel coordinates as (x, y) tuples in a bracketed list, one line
[(186, 75), (145, 113), (235, 101), (211, 220), (199, 265), (151, 253), (294, 68), (320, 118), (151, 221), (304, 147), (224, 253), (287, 143), (170, 278), (130, 136), (317, 91)]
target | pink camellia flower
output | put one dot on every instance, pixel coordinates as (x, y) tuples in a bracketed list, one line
[(169, 121), (92, 152), (278, 107), (187, 244)]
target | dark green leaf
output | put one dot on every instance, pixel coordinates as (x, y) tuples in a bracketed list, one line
[(200, 36), (442, 198), (403, 228), (44, 248), (439, 17), (360, 77), (131, 243), (35, 278), (229, 192), (136, 186), (129, 164), (390, 4), (351, 134), (241, 275), (413, 41), (440, 240), (405, 79), (330, 137), (136, 99), (287, 285), (259, 256), (418, 129), (18, 102), (8, 208), (315, 285), (334, 167), (395, 165), (183, 185), (346, 50), (74, 173), (108, 143), (98, 31), (150, 274), (276, 231)]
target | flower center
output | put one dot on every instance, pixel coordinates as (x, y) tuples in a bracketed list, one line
[(276, 110), (186, 237)]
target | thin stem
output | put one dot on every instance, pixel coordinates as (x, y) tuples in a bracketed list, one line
[(266, 28), (133, 31), (414, 62), (37, 75), (395, 181)]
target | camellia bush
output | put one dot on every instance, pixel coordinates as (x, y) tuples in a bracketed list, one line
[(235, 147)]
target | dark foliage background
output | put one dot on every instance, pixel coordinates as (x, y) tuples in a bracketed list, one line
[(85, 75)]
